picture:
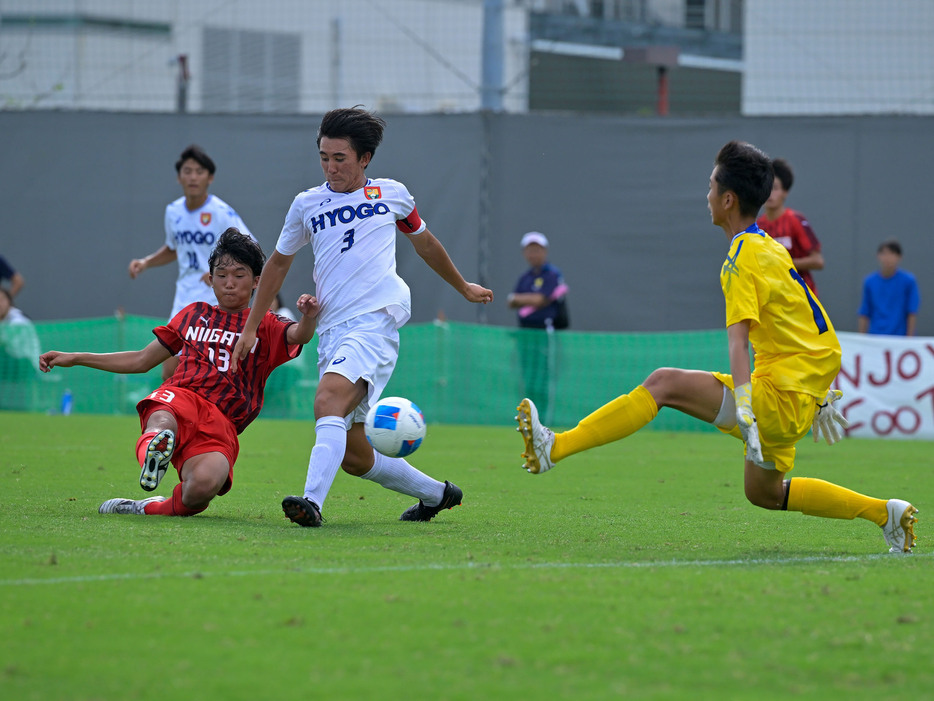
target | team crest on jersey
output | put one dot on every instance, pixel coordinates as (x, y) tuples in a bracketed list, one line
[(372, 192), (205, 218)]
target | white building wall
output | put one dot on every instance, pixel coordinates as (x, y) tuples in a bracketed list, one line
[(836, 57), (802, 57), (401, 55)]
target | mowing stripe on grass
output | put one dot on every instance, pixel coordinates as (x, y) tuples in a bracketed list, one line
[(464, 566)]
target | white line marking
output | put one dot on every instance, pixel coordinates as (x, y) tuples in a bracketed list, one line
[(454, 567)]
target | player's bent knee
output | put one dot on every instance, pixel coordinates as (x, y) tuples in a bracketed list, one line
[(764, 499), (357, 465), (196, 498), (200, 488), (663, 384), (355, 470)]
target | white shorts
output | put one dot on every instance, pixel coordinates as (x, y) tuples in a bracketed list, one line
[(365, 347)]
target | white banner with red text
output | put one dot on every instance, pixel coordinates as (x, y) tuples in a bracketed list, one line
[(888, 386)]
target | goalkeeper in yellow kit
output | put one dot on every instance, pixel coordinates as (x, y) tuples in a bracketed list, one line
[(797, 357)]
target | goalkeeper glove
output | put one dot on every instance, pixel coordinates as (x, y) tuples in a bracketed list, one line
[(827, 418), (746, 420)]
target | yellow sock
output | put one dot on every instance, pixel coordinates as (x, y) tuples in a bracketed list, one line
[(816, 497), (615, 420)]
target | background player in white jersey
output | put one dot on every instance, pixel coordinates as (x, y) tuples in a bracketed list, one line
[(193, 223), (351, 222)]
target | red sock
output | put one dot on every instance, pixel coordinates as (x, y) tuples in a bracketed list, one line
[(143, 443), (172, 506)]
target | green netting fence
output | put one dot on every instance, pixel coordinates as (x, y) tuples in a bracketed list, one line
[(457, 373)]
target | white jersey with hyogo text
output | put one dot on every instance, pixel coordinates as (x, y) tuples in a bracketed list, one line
[(353, 236), (193, 236)]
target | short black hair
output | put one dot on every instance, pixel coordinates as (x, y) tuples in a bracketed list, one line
[(239, 248), (363, 129), (196, 154), (890, 245), (747, 171), (783, 172)]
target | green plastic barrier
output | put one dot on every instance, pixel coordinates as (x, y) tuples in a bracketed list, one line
[(457, 373)]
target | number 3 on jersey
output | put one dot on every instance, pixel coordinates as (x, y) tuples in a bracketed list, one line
[(222, 361), (348, 239)]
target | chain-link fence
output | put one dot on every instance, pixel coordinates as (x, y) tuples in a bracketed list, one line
[(752, 57)]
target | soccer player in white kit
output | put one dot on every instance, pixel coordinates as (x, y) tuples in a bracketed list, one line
[(351, 222), (193, 223)]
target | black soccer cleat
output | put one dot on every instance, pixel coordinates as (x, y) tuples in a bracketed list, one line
[(420, 512), (158, 456), (302, 511)]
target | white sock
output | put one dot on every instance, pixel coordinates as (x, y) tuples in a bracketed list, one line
[(326, 457), (396, 474)]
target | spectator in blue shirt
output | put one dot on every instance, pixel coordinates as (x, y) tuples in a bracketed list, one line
[(539, 298), (890, 296)]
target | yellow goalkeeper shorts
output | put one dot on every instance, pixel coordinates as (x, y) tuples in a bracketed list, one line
[(783, 419)]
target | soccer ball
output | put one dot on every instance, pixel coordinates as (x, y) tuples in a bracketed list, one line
[(395, 427)]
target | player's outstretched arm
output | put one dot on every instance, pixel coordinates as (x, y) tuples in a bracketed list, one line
[(270, 282), (304, 330), (430, 250), (163, 256), (123, 362)]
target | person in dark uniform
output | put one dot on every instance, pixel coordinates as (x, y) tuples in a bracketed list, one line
[(540, 300)]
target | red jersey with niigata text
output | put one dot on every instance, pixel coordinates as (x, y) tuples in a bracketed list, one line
[(204, 337), (793, 231)]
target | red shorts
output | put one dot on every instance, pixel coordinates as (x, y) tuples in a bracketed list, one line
[(202, 428)]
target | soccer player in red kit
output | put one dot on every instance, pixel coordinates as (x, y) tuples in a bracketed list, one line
[(790, 227), (192, 421)]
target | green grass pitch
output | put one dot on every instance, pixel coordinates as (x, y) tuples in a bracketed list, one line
[(636, 570)]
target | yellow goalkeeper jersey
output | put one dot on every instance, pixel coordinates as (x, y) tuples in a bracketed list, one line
[(794, 343)]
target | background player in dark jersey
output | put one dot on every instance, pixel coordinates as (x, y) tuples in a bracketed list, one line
[(790, 227), (194, 418)]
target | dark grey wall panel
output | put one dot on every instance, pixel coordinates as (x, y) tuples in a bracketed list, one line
[(622, 200)]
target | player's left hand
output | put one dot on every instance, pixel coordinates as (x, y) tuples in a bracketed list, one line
[(827, 418), (746, 421), (478, 293)]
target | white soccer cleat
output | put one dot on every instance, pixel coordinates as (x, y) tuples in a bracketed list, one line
[(127, 506), (538, 439), (899, 530)]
